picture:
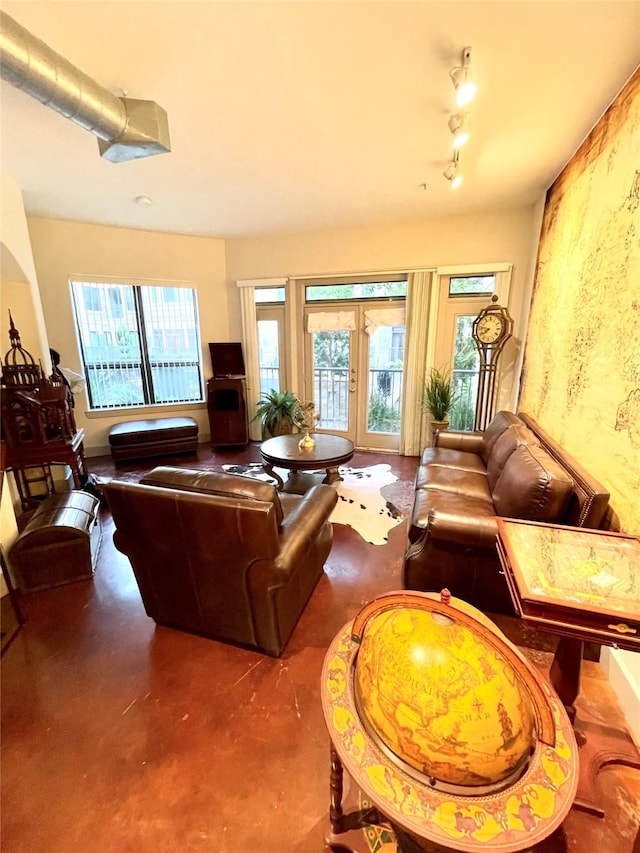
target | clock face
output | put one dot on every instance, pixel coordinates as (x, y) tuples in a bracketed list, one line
[(490, 328)]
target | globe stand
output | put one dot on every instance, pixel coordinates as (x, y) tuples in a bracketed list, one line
[(516, 807), (357, 826)]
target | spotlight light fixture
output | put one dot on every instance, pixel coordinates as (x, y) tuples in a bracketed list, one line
[(458, 129), (452, 172), (462, 80)]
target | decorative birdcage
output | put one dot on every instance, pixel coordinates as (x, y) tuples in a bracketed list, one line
[(38, 424)]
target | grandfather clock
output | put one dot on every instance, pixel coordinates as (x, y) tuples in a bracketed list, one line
[(491, 330)]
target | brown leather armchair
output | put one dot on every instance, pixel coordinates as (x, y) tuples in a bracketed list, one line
[(222, 555)]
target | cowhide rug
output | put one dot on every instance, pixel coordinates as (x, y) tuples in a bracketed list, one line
[(360, 506)]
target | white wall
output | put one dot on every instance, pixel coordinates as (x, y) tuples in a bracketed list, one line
[(14, 234), (62, 249), (480, 238), (19, 288), (623, 671), (19, 273)]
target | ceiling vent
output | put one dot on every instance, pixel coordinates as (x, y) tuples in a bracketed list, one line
[(127, 129)]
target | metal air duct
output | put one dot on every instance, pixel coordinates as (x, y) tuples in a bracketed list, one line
[(127, 129)]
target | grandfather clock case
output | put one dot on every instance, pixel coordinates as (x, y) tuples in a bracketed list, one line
[(226, 396)]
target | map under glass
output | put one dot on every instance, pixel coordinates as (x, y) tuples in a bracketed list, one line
[(580, 568)]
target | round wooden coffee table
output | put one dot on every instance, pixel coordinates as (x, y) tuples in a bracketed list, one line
[(283, 451)]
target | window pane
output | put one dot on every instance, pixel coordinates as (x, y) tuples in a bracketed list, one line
[(269, 294), (111, 386), (474, 284), (368, 290), (175, 383)]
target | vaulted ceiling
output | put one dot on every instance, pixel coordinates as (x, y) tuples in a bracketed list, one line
[(290, 116)]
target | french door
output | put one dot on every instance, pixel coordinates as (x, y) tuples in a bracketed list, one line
[(354, 357)]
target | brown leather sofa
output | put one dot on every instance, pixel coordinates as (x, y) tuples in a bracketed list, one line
[(515, 470), (222, 555)]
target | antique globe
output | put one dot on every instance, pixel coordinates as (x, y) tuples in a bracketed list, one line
[(445, 726), (441, 700)]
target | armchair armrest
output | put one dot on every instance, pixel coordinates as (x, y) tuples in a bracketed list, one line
[(471, 442), (304, 523)]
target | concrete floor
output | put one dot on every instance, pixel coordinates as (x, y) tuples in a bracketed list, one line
[(118, 735)]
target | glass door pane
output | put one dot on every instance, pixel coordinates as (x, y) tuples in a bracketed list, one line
[(331, 352), (269, 356), (384, 387), (466, 368)]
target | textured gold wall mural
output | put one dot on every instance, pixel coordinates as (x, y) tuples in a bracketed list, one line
[(581, 376)]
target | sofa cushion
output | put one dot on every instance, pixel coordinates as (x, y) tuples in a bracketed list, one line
[(499, 423), (448, 458), (470, 483), (532, 486), (456, 518), (503, 447), (215, 483)]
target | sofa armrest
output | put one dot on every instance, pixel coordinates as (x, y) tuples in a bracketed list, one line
[(302, 525), (471, 442), (479, 531)]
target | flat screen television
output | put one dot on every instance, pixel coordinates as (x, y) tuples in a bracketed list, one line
[(227, 359)]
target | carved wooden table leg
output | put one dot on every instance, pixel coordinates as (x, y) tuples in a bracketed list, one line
[(335, 810), (565, 673), (332, 476), (268, 467)]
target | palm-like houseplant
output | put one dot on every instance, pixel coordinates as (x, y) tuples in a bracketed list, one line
[(275, 412), (438, 397)]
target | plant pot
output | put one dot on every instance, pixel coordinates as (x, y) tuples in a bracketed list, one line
[(283, 429), (438, 425)]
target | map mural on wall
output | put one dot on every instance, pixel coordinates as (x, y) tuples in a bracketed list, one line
[(581, 375)]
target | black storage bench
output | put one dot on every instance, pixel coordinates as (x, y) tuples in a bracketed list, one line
[(60, 543), (157, 437)]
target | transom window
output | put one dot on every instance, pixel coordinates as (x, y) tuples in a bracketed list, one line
[(140, 345), (476, 285), (356, 290), (269, 294)]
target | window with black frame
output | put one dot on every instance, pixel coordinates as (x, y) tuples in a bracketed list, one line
[(140, 344)]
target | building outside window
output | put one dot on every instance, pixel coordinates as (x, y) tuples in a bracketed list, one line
[(140, 345)]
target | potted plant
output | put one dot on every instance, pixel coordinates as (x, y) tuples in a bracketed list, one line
[(275, 412), (438, 397)]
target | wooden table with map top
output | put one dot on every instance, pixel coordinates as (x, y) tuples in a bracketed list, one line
[(583, 585)]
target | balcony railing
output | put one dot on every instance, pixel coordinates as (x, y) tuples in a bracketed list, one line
[(331, 394), (465, 389)]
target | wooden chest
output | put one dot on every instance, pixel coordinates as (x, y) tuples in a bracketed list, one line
[(59, 544)]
